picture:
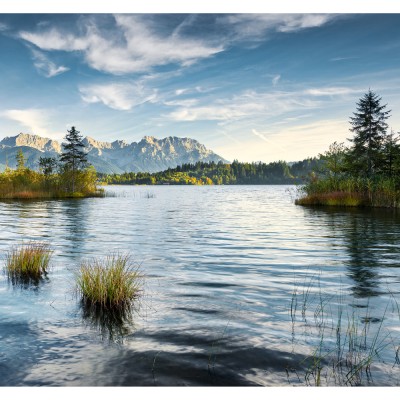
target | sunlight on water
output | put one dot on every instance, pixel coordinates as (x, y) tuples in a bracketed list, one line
[(240, 283)]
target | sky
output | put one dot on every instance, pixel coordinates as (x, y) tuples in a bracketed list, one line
[(252, 87)]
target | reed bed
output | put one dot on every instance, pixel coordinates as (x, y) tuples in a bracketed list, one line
[(28, 262), (112, 283), (350, 192)]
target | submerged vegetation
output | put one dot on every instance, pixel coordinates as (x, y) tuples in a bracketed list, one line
[(346, 340), (28, 262), (367, 173), (69, 177), (110, 284)]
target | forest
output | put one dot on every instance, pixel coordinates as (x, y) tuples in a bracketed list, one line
[(236, 173)]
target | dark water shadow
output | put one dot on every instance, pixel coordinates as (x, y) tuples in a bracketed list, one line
[(201, 361), (113, 325), (16, 357)]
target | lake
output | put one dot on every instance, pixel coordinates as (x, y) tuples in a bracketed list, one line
[(241, 287)]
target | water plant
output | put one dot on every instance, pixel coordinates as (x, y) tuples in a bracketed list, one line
[(112, 283), (28, 262), (346, 341)]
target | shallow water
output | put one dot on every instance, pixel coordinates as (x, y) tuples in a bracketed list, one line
[(241, 288)]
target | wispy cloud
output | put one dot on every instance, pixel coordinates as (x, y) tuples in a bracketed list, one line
[(32, 119), (45, 66), (138, 43), (3, 27), (275, 80), (179, 92), (332, 91), (135, 47), (341, 58), (119, 96), (257, 26), (244, 105)]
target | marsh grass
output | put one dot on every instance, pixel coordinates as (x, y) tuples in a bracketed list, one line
[(28, 263), (346, 341), (350, 192), (110, 284)]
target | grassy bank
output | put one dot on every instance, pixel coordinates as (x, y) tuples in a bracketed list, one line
[(351, 192), (28, 184)]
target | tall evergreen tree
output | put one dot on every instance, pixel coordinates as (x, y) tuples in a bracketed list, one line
[(20, 160), (73, 156), (369, 126)]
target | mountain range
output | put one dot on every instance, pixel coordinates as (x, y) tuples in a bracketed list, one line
[(147, 155)]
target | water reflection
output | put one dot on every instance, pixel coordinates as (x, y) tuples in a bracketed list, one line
[(75, 212), (112, 325), (370, 239), (26, 282)]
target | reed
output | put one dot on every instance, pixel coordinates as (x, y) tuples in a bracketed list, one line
[(350, 192), (28, 262), (111, 283), (346, 344)]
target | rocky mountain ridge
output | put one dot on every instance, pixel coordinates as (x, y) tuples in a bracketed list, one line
[(148, 155)]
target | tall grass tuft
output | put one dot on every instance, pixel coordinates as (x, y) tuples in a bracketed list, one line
[(111, 284), (28, 262)]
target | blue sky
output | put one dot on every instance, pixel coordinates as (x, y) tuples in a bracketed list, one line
[(252, 87)]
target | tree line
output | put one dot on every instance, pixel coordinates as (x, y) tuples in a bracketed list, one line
[(212, 173)]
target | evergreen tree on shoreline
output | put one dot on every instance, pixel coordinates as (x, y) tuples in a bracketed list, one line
[(73, 157), (369, 126)]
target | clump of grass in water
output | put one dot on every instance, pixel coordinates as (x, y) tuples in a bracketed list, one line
[(28, 262), (109, 284)]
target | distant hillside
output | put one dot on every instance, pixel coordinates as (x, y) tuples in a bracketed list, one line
[(148, 155)]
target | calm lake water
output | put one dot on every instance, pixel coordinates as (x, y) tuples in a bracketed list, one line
[(242, 287)]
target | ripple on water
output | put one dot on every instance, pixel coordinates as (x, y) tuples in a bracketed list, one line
[(238, 282)]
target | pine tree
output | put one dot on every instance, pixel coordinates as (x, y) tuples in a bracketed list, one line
[(73, 156), (370, 128), (20, 160)]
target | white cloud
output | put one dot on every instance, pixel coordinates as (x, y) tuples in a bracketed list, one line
[(33, 119), (182, 102), (119, 96), (55, 40), (137, 44), (179, 92), (140, 50), (275, 80), (256, 26), (45, 66), (3, 27), (244, 105), (332, 91)]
